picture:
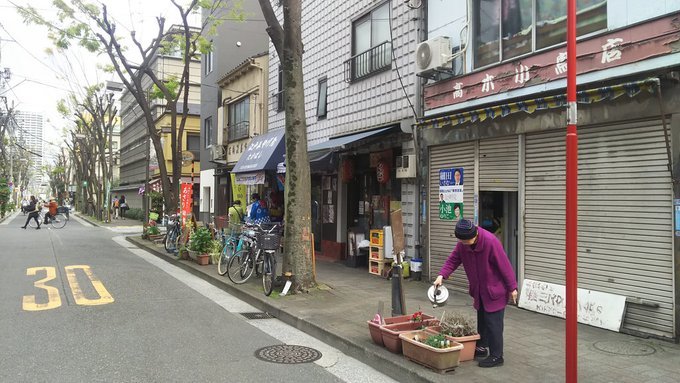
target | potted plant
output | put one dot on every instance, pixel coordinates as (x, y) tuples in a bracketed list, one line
[(390, 332), (375, 324), (463, 330), (434, 350), (153, 232), (183, 252), (215, 251), (199, 245)]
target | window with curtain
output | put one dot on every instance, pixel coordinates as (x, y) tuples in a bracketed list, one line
[(208, 131), (239, 119), (505, 29), (194, 145)]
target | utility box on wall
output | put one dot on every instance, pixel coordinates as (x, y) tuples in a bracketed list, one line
[(406, 166)]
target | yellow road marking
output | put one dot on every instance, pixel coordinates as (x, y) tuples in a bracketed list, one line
[(53, 298), (104, 296)]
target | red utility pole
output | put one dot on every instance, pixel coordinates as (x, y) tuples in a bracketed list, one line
[(571, 358)]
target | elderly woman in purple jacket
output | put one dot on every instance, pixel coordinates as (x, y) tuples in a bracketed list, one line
[(491, 280)]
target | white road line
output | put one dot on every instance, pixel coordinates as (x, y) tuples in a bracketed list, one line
[(333, 360), (10, 218)]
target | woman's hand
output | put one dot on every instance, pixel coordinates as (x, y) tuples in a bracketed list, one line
[(513, 294), (438, 282)]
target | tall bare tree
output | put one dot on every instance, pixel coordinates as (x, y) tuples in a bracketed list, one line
[(287, 41), (93, 28)]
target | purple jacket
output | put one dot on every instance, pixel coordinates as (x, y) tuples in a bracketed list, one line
[(490, 275)]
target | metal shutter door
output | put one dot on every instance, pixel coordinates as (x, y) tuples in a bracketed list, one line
[(625, 217), (498, 159), (442, 240)]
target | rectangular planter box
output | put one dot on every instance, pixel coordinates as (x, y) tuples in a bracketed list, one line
[(469, 343), (203, 259), (441, 360), (375, 328), (390, 333)]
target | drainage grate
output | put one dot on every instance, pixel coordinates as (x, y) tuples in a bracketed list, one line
[(288, 354), (257, 315), (633, 348)]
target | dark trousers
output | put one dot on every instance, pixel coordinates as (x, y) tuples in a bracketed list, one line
[(48, 216), (33, 215), (490, 328)]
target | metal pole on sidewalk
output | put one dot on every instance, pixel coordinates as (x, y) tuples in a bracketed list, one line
[(571, 357)]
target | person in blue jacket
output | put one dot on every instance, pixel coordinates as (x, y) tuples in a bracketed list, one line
[(258, 211)]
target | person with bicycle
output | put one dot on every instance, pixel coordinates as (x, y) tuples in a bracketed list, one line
[(52, 206), (33, 212)]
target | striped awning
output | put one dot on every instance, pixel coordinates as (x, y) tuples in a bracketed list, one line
[(588, 96)]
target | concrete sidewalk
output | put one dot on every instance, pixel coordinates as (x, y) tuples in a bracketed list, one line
[(534, 343)]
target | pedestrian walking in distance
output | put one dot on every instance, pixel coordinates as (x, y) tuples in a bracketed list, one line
[(492, 282)]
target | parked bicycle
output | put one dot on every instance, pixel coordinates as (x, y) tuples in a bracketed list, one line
[(243, 262), (269, 242), (173, 233), (231, 243)]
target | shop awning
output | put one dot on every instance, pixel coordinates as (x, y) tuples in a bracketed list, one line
[(341, 142), (588, 96), (263, 153)]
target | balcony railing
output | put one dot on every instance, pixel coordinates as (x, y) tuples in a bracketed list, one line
[(365, 64), (238, 131)]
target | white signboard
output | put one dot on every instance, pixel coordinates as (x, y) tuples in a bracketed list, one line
[(594, 308), (255, 178)]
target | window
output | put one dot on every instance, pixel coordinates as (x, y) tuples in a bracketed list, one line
[(239, 119), (506, 28), (114, 145), (208, 62), (371, 44), (279, 95), (208, 131), (194, 145), (321, 101)]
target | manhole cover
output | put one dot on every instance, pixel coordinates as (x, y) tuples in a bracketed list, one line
[(257, 315), (287, 354), (625, 348)]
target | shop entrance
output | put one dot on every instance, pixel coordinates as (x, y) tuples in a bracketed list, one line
[(498, 214), (317, 226)]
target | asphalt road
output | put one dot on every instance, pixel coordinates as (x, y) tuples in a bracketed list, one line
[(81, 304)]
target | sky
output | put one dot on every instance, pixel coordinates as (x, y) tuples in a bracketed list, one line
[(40, 79)]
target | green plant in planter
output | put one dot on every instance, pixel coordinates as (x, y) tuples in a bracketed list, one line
[(215, 250), (153, 230), (457, 325), (437, 341), (200, 240)]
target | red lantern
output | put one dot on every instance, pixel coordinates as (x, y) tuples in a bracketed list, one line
[(382, 171), (347, 170)]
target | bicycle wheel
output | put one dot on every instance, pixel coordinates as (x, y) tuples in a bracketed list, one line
[(31, 222), (171, 240), (240, 267), (268, 274), (59, 221), (227, 252)]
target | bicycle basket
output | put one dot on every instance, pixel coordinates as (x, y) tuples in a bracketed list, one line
[(268, 241)]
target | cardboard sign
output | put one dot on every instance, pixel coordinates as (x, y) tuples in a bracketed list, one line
[(595, 308)]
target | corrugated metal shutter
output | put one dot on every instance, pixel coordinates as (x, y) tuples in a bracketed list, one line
[(442, 240), (625, 221), (498, 158)]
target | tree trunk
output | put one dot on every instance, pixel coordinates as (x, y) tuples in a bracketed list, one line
[(298, 252)]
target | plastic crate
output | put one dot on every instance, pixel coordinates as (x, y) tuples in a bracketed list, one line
[(377, 237), (376, 253), (376, 267)]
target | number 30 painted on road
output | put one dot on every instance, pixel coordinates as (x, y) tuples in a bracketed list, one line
[(53, 298)]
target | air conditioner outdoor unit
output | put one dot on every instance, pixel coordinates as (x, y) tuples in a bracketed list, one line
[(218, 152), (406, 166), (433, 54)]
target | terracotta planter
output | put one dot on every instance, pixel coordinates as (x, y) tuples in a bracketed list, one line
[(193, 255), (203, 259), (375, 328), (441, 360), (390, 333), (469, 343), (184, 254)]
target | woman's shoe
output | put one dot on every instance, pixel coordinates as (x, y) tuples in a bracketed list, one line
[(23, 227)]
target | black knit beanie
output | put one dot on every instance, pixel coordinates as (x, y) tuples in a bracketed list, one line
[(465, 229)]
